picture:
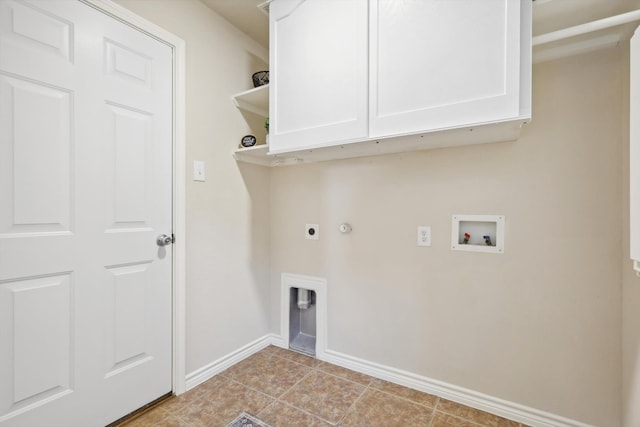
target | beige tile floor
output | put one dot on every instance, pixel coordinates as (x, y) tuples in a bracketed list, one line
[(287, 389)]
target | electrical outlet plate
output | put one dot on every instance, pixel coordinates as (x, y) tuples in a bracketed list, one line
[(311, 231), (424, 235)]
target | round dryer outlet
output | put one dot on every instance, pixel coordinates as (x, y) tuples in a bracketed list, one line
[(311, 231)]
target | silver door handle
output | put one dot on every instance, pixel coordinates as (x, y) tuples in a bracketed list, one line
[(164, 240)]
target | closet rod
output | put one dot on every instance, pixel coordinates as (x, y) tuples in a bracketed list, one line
[(589, 27)]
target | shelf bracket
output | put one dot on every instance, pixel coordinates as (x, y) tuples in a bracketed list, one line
[(636, 267)]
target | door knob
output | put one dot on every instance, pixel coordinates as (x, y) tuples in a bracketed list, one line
[(164, 240)]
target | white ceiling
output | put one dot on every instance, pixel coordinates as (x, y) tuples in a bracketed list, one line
[(548, 15)]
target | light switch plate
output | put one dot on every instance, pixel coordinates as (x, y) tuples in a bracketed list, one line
[(198, 171)]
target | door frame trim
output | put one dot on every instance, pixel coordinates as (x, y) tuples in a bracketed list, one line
[(177, 45)]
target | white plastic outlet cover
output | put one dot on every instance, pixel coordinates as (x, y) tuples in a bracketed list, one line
[(424, 235), (311, 231)]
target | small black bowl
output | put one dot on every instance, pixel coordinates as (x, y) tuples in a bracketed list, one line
[(260, 78)]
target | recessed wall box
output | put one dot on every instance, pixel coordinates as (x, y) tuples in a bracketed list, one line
[(478, 233)]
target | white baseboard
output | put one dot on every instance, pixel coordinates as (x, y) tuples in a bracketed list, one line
[(201, 375), (278, 341), (513, 411)]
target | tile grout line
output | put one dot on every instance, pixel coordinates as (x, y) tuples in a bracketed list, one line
[(278, 398), (281, 394), (458, 417), (274, 399), (306, 412), (406, 399), (317, 369), (297, 382), (182, 417), (463, 418), (315, 366), (343, 378), (369, 386), (273, 402), (353, 405), (266, 407), (433, 412), (252, 389), (186, 419)]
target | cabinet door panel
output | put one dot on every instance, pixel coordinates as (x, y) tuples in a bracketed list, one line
[(442, 63), (318, 88)]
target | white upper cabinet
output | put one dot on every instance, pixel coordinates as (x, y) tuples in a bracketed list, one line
[(350, 71), (319, 55), (437, 64)]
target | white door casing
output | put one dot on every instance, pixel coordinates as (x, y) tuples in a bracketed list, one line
[(86, 181), (634, 150)]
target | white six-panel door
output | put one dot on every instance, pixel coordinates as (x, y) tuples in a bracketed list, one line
[(85, 188)]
